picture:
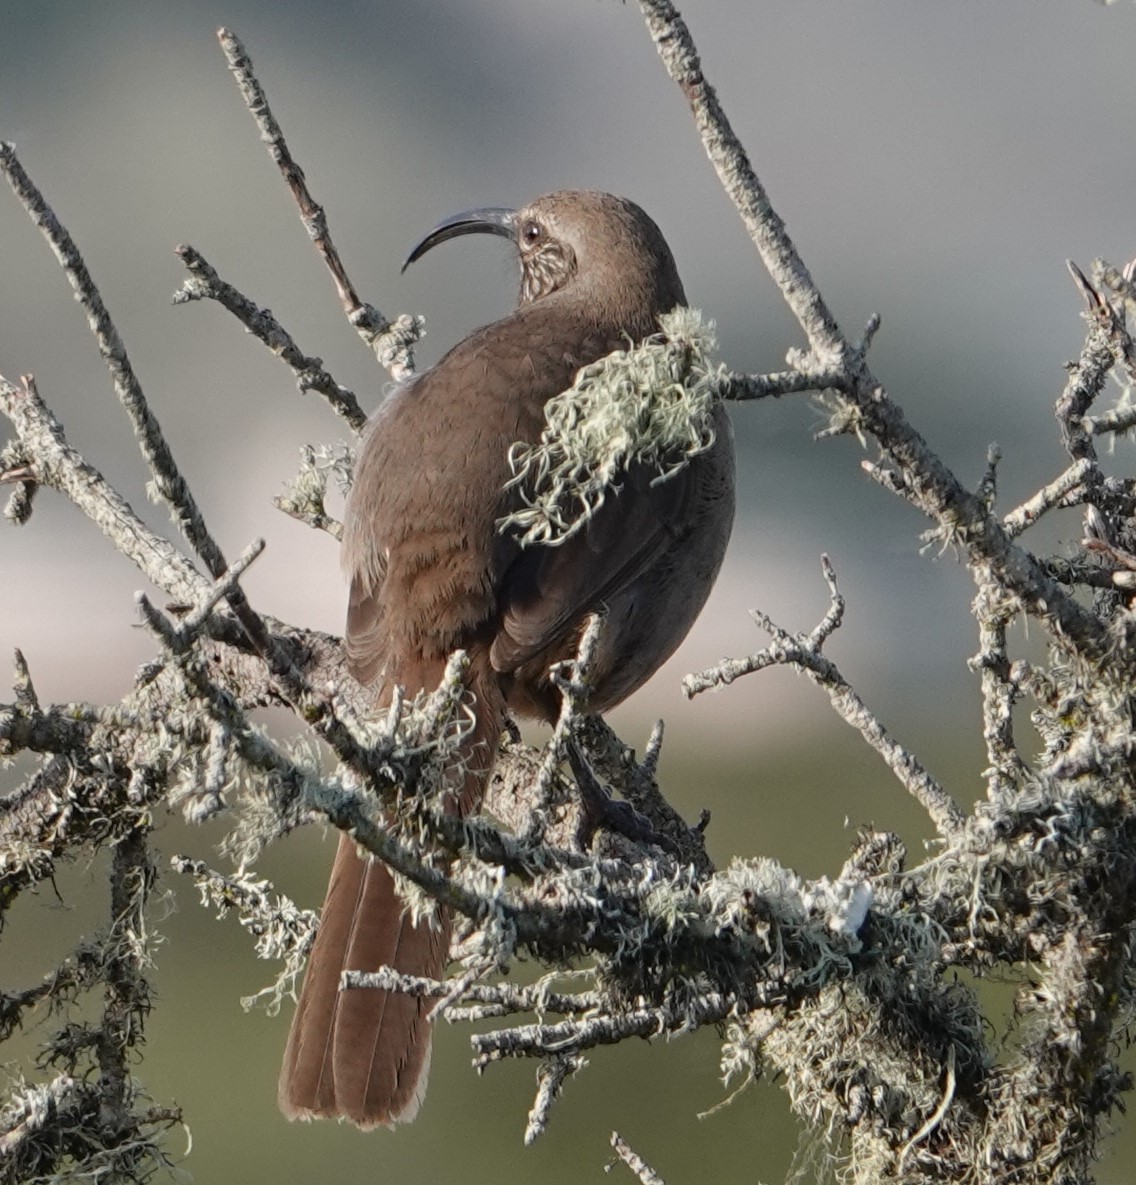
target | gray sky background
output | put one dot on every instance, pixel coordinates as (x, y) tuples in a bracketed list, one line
[(936, 163)]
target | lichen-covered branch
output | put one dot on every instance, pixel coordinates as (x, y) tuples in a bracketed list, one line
[(646, 1174), (42, 454), (732, 164), (858, 399)]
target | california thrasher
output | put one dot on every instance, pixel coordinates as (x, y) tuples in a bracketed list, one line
[(431, 573)]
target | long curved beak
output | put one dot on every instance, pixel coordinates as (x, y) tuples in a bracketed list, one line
[(492, 220)]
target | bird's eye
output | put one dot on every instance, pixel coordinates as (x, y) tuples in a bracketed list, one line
[(532, 233)]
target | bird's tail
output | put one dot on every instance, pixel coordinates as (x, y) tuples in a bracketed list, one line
[(364, 1054)]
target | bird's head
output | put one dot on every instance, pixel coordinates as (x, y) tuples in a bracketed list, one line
[(593, 245)]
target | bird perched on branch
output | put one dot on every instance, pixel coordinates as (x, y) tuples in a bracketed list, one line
[(431, 572)]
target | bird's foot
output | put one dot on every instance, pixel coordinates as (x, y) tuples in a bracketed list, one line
[(600, 810)]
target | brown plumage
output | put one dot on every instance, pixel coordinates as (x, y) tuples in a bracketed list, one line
[(430, 574)]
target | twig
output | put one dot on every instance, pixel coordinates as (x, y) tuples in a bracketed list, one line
[(1061, 491), (572, 682), (987, 491), (311, 375), (805, 653), (1123, 283), (741, 387), (730, 161), (56, 464), (168, 483), (127, 991), (993, 612), (576, 1035), (167, 480), (1124, 348), (926, 482), (891, 480), (391, 341), (59, 984), (631, 1158), (26, 698), (282, 930), (1086, 376), (615, 762), (550, 1078), (871, 328), (1117, 420), (305, 495), (500, 999), (178, 638)]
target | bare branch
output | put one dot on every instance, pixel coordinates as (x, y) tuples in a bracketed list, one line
[(1064, 490), (804, 652), (925, 481), (604, 1029), (392, 341), (741, 387), (179, 638), (168, 483), (730, 161), (205, 284), (631, 1158), (550, 1079), (495, 999), (1006, 771)]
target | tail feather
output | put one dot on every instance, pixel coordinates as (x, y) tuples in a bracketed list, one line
[(381, 1040), (364, 1054)]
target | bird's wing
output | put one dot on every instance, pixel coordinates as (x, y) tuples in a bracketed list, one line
[(365, 632), (547, 591), (421, 546)]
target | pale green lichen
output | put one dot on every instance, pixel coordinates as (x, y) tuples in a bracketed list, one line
[(648, 405), (304, 496), (282, 930)]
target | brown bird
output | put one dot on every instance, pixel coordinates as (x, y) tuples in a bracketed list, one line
[(430, 574)]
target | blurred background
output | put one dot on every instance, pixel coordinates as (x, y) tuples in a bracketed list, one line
[(935, 163)]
